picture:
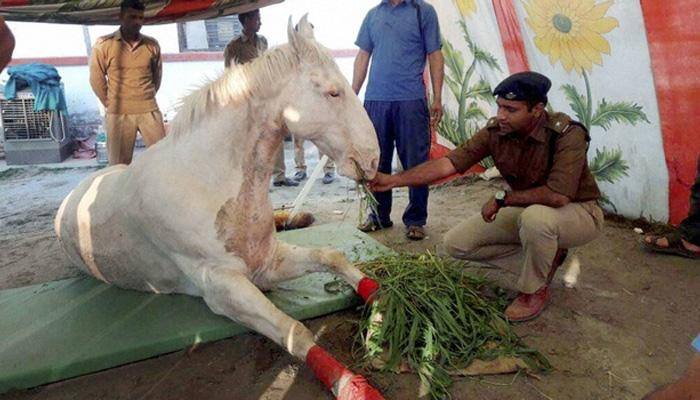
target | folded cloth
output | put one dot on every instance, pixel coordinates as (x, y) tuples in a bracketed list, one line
[(85, 148), (44, 81)]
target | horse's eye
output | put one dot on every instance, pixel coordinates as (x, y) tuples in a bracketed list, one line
[(334, 93)]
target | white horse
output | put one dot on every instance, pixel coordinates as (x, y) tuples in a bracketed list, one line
[(192, 214)]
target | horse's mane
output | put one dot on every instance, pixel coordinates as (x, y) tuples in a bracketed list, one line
[(241, 82)]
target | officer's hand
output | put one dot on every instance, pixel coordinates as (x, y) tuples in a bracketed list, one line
[(381, 183), (435, 113), (489, 210)]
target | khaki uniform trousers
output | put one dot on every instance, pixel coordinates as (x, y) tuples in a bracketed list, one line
[(121, 133), (300, 161), (532, 234), (279, 170)]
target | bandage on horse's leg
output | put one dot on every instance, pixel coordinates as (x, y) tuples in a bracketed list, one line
[(230, 293)]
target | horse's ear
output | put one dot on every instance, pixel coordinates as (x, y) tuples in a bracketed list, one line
[(305, 28), (296, 35)]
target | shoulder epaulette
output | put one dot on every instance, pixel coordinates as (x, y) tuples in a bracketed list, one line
[(492, 123)]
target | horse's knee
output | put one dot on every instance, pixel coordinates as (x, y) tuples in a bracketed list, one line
[(331, 257)]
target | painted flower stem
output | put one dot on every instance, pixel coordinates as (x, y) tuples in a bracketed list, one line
[(589, 101)]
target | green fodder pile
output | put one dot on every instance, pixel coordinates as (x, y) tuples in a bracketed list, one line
[(435, 318)]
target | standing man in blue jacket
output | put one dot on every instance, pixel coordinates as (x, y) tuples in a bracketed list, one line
[(398, 36)]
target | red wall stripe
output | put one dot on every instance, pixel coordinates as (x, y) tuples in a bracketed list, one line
[(511, 36), (675, 54)]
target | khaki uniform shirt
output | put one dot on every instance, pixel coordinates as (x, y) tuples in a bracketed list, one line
[(244, 49), (524, 162), (126, 79)]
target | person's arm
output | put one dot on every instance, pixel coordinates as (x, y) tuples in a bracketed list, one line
[(539, 195), (523, 198), (437, 74), (366, 44), (420, 175), (157, 68), (359, 71), (433, 45), (7, 44), (458, 160), (98, 74)]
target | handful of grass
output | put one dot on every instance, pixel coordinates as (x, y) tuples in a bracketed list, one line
[(367, 199), (434, 317)]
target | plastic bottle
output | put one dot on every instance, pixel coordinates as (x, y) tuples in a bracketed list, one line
[(101, 146)]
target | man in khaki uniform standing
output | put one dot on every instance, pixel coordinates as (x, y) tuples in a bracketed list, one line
[(125, 74), (300, 162), (243, 49), (551, 206)]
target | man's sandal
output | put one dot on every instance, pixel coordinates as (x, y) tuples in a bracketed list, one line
[(372, 225), (675, 246), (415, 232)]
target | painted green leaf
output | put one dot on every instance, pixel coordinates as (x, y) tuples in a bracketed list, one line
[(452, 85), (576, 101), (620, 112), (480, 55), (459, 126), (467, 36), (482, 90), (453, 58), (605, 201), (608, 165), (447, 128), (474, 112)]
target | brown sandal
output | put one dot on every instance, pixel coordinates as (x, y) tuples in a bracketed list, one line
[(415, 232), (372, 225), (675, 246)]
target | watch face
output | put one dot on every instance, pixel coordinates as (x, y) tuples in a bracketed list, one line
[(500, 195)]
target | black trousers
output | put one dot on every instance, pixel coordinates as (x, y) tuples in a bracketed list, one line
[(690, 227)]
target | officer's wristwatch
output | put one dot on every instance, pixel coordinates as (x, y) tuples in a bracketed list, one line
[(500, 197)]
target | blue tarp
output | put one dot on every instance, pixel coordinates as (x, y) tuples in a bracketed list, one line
[(44, 82)]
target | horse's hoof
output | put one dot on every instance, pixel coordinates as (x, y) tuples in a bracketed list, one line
[(359, 389)]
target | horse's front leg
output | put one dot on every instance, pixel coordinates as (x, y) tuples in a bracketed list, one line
[(230, 293), (293, 261)]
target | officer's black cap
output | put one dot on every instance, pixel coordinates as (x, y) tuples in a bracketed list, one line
[(524, 86)]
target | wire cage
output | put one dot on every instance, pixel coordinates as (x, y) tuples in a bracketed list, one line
[(21, 122), (32, 137)]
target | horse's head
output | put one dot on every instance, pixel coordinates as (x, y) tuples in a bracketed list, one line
[(318, 104)]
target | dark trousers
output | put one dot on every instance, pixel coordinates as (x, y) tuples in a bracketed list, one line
[(403, 124), (690, 227)]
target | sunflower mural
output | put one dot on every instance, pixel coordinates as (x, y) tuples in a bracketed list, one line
[(471, 92), (466, 8), (571, 33)]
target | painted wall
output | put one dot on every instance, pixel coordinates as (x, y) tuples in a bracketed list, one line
[(675, 49), (597, 56), (620, 75)]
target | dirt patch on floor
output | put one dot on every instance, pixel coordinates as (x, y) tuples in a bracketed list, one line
[(625, 329)]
